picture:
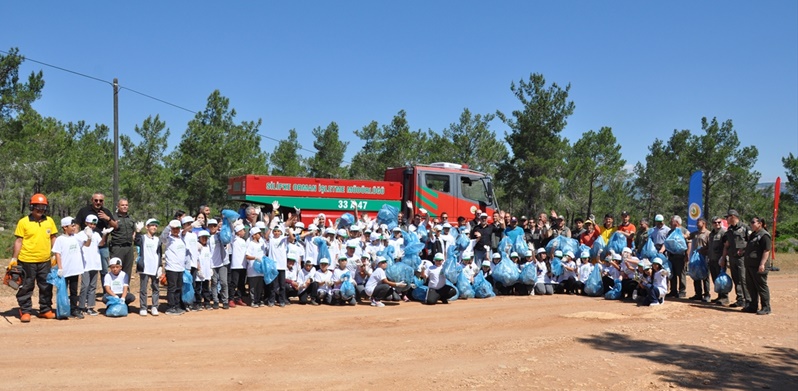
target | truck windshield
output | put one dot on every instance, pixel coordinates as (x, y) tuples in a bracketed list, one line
[(474, 189)]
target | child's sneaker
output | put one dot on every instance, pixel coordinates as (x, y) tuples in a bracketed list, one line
[(216, 305), (143, 312), (154, 311), (92, 312), (255, 305), (634, 295)]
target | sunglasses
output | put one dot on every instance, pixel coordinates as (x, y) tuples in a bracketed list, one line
[(716, 222), (98, 201), (40, 207)]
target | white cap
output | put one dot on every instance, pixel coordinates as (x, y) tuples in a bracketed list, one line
[(66, 221), (174, 224), (91, 219), (540, 251), (342, 257), (152, 222), (354, 228), (254, 230), (312, 227), (323, 261), (277, 227), (342, 232), (658, 218), (238, 228), (616, 257), (114, 261), (213, 222), (186, 220), (260, 224), (437, 228), (203, 233), (558, 253), (467, 255), (447, 225), (329, 231), (291, 257), (483, 214), (570, 254), (626, 250), (513, 254), (496, 256), (397, 229), (528, 253), (585, 254), (438, 256), (299, 225), (486, 263)]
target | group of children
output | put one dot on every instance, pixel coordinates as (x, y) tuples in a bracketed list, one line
[(191, 253)]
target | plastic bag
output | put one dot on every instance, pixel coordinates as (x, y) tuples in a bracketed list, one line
[(226, 233), (615, 292), (506, 273), (346, 220), (188, 288), (399, 272), (257, 266), (451, 268), (520, 245), (115, 308), (456, 291), (482, 288), (649, 250), (62, 309), (723, 284), (420, 291), (347, 288), (675, 243), (269, 270), (389, 216), (563, 244), (593, 285), (617, 243), (556, 266), (582, 248), (597, 250), (422, 231), (513, 234), (697, 267), (464, 286), (462, 242), (529, 274), (324, 251)]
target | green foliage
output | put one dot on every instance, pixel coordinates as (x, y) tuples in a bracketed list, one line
[(791, 171), (392, 145), (144, 179), (593, 166), (16, 97), (530, 175), (212, 149), (286, 160), (326, 163), (7, 239), (471, 141)]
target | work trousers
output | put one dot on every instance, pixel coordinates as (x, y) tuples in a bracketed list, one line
[(758, 286), (35, 274)]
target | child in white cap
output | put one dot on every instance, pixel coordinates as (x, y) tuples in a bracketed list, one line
[(192, 247), (569, 275), (89, 242), (378, 287), (341, 274), (254, 279), (176, 258), (436, 283), (238, 268), (69, 257), (149, 266), (323, 278), (307, 288), (202, 283), (584, 272), (116, 282), (544, 285)]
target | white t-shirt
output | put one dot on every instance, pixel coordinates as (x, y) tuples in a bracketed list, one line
[(584, 271), (298, 252), (239, 249), (192, 245), (376, 278), (71, 256), (323, 278), (311, 250), (204, 264), (566, 274), (304, 275), (91, 254), (149, 254), (661, 282), (338, 277), (542, 271), (176, 254), (292, 274), (278, 251), (470, 271), (612, 272), (434, 276), (116, 282), (254, 249), (219, 256)]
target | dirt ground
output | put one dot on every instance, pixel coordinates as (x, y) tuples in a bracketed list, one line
[(553, 342)]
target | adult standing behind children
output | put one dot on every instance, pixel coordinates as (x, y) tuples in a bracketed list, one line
[(121, 241), (35, 235), (105, 221)]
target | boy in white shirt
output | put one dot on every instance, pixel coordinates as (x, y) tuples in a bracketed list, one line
[(219, 263), (176, 257), (378, 286), (362, 275), (307, 288), (69, 257), (278, 251), (150, 256), (436, 283), (202, 284), (469, 268), (192, 249), (115, 282), (323, 278), (291, 277), (341, 274), (254, 279), (568, 277), (238, 269), (543, 284), (92, 265)]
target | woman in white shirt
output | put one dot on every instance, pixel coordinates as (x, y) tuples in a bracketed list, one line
[(378, 287), (436, 282), (543, 285)]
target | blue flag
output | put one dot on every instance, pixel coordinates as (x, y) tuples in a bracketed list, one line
[(695, 208)]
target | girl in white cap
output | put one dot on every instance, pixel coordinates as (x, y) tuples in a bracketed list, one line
[(202, 284), (543, 284), (238, 268), (629, 268), (436, 283), (149, 266), (584, 272), (378, 287), (659, 285), (70, 262), (89, 245)]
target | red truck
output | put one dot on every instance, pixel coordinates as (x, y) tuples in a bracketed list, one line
[(437, 187)]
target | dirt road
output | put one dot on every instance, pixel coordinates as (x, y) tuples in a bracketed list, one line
[(554, 342)]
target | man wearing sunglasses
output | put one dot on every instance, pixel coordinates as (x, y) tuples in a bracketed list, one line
[(717, 237), (35, 235), (105, 221)]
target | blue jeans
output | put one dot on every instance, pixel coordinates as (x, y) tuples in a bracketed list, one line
[(104, 257)]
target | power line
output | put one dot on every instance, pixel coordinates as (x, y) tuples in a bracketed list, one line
[(144, 95)]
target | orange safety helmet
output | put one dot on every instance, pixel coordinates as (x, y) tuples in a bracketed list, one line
[(39, 199)]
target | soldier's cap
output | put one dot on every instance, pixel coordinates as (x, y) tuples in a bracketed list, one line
[(732, 212)]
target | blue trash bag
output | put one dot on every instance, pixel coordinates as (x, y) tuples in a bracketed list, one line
[(723, 284), (572, 245), (389, 216), (555, 244), (649, 250), (413, 248), (410, 238), (347, 288), (675, 242), (188, 288), (596, 252), (399, 272), (269, 270), (62, 309), (452, 268), (617, 243), (226, 233), (464, 286), (520, 245), (506, 273), (513, 234), (257, 266), (615, 292), (697, 267), (556, 266), (115, 308), (582, 247), (387, 253), (324, 251), (593, 285), (482, 288), (422, 231), (529, 274), (456, 291), (462, 242), (346, 220)]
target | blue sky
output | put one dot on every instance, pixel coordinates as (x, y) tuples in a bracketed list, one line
[(642, 68)]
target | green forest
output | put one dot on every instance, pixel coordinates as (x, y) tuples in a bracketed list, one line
[(535, 168)]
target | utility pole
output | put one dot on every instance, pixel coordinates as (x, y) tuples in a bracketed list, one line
[(116, 141)]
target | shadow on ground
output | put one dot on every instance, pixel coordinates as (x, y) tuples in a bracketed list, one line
[(705, 368)]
